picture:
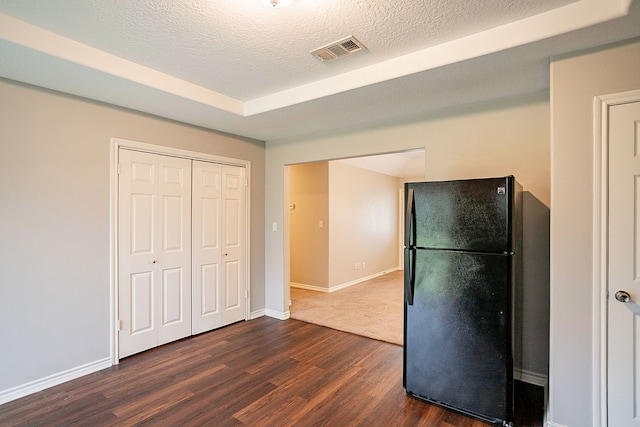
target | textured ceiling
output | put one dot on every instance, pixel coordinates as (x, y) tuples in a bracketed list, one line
[(240, 67), (244, 50)]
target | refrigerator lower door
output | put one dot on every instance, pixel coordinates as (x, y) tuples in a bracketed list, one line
[(458, 333)]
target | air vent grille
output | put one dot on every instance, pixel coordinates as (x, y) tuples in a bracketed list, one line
[(338, 49)]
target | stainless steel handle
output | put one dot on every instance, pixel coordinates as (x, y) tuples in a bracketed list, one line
[(623, 296)]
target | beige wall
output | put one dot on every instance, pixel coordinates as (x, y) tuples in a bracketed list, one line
[(508, 136), (358, 209), (54, 223), (497, 139), (309, 192), (575, 81), (363, 209)]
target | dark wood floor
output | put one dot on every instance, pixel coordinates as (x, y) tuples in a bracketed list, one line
[(264, 372)]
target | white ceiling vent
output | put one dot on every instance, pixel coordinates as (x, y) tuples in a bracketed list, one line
[(338, 49)]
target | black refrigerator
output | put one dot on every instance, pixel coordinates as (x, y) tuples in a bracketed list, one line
[(461, 259)]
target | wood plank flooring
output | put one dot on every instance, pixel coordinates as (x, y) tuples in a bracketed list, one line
[(263, 372)]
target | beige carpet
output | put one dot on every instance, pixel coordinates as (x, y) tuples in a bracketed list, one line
[(373, 308)]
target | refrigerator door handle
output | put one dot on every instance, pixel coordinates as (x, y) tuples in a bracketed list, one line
[(409, 249), (409, 221), (409, 274)]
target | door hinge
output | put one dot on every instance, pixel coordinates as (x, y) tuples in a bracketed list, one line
[(118, 325), (118, 169), (246, 293)]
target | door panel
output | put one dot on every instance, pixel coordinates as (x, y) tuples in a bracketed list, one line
[(136, 248), (231, 285), (207, 193), (208, 289), (173, 223), (174, 258), (173, 175), (232, 228), (233, 222), (142, 302), (218, 246), (173, 289), (624, 266), (142, 223), (210, 221), (154, 247), (143, 170)]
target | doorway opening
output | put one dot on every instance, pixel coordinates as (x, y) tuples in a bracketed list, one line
[(344, 234)]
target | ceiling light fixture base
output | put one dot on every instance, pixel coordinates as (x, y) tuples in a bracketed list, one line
[(276, 3)]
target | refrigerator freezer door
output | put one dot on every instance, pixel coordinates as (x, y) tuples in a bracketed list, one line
[(457, 333), (471, 215)]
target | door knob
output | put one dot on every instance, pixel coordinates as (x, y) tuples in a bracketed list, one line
[(623, 296)]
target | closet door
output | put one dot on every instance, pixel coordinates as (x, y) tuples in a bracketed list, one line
[(154, 250), (219, 282), (234, 286)]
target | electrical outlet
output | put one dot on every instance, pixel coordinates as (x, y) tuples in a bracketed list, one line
[(356, 266), (364, 265)]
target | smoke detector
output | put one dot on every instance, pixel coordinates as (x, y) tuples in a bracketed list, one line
[(339, 49)]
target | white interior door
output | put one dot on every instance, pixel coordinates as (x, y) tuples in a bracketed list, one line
[(207, 221), (219, 282), (624, 266), (234, 287), (154, 252)]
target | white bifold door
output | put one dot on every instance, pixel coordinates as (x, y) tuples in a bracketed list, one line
[(154, 250), (181, 251), (218, 249)]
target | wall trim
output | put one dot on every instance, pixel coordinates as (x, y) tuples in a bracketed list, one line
[(530, 377), (601, 106), (309, 287), (116, 144), (53, 380), (280, 315), (342, 285), (256, 314)]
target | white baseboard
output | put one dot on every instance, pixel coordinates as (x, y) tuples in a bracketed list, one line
[(256, 314), (342, 285), (52, 380), (277, 314), (308, 287), (530, 377)]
